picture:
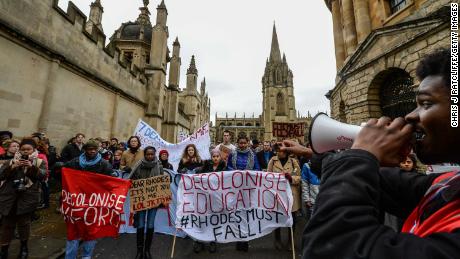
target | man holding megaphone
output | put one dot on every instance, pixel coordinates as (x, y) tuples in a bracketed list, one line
[(354, 189)]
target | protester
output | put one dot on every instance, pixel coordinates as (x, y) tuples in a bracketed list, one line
[(134, 153), (147, 167), (265, 155), (11, 147), (310, 188), (242, 159), (90, 161), (353, 189), (122, 146), (409, 164), (227, 137), (164, 155), (283, 163), (113, 145), (42, 153), (19, 195), (190, 160), (116, 162), (73, 150), (216, 164), (4, 135)]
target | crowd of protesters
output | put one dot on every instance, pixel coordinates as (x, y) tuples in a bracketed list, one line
[(362, 211)]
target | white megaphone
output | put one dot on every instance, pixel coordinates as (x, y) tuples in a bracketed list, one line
[(327, 134)]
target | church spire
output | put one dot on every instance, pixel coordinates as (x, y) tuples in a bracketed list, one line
[(192, 68), (275, 53)]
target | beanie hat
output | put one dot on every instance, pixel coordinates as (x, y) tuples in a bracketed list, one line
[(28, 141), (164, 151), (91, 144)]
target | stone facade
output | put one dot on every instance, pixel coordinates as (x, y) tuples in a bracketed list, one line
[(58, 75), (278, 101), (378, 45)]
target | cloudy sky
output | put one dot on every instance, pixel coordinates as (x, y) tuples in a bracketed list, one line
[(231, 41)]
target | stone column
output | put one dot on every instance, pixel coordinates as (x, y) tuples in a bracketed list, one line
[(338, 34), (363, 19), (349, 29), (44, 120)]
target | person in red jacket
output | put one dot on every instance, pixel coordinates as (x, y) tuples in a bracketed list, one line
[(355, 190)]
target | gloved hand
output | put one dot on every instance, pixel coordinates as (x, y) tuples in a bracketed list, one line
[(288, 177)]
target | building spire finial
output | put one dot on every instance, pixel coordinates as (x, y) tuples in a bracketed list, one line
[(275, 53)]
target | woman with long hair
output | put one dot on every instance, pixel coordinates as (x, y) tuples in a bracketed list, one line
[(190, 159), (133, 154)]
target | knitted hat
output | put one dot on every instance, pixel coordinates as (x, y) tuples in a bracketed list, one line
[(28, 141), (164, 151), (91, 144), (6, 133)]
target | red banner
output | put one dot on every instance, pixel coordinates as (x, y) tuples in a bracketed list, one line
[(288, 130), (92, 204)]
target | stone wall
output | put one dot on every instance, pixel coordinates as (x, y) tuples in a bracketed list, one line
[(356, 94), (55, 77)]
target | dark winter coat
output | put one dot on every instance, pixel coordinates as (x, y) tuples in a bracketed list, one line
[(102, 167), (345, 223), (261, 158), (208, 167), (25, 201), (184, 167), (70, 152)]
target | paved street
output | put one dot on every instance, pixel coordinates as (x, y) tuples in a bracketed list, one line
[(125, 247)]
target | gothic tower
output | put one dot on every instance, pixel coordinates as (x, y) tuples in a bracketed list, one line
[(95, 17), (157, 69), (277, 89), (171, 119)]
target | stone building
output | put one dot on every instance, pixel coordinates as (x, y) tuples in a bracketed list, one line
[(278, 102), (59, 76), (378, 44)]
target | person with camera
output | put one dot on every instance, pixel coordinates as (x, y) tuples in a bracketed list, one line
[(20, 195)]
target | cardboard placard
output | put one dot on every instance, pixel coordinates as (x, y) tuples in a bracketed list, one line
[(150, 193)]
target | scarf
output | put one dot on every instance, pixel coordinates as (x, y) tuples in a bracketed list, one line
[(439, 210), (250, 161), (152, 166), (87, 163), (164, 163)]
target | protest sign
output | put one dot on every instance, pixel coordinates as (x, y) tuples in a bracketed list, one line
[(150, 193), (92, 204), (149, 137), (288, 130), (233, 206), (442, 168)]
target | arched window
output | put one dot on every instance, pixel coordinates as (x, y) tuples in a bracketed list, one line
[(396, 93), (396, 5), (280, 105), (239, 124), (248, 124)]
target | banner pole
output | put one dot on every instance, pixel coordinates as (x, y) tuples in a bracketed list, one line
[(292, 242), (174, 244)]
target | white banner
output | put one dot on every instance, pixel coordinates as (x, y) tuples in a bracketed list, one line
[(442, 168), (233, 206), (149, 137)]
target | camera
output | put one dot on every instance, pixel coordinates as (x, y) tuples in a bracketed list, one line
[(25, 157), (19, 185)]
